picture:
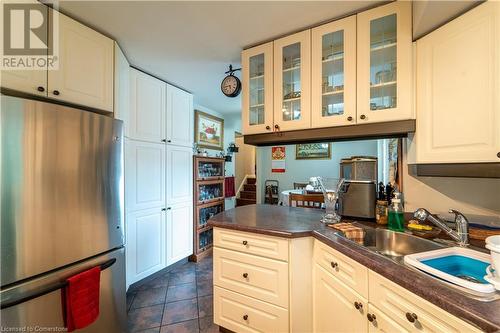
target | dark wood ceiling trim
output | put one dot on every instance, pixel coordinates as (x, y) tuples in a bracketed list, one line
[(393, 129), (466, 170)]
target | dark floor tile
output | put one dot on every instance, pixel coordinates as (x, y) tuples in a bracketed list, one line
[(181, 292), (149, 297), (130, 299), (205, 306), (204, 274), (207, 325), (180, 311), (187, 267), (205, 287), (181, 277), (190, 326), (149, 330), (158, 282), (144, 318)]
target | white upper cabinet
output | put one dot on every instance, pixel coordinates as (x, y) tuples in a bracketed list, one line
[(122, 86), (458, 85), (179, 174), (384, 69), (179, 118), (85, 74), (147, 108), (257, 99), (179, 232), (333, 73), (144, 175), (292, 82)]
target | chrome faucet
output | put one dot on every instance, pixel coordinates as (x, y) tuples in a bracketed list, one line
[(461, 235)]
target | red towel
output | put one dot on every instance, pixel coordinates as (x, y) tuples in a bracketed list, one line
[(81, 299), (229, 187)]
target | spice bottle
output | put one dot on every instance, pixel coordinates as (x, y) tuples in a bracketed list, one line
[(381, 211)]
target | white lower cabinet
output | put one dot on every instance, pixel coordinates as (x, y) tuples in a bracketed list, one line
[(337, 308), (383, 323), (145, 243), (179, 232), (240, 313)]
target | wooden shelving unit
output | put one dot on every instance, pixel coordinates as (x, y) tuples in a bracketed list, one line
[(208, 182)]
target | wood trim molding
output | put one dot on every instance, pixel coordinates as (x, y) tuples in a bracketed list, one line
[(466, 170), (393, 129)]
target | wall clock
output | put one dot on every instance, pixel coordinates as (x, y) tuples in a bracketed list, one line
[(231, 85)]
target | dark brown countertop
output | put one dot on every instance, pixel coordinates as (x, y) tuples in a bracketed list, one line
[(292, 222)]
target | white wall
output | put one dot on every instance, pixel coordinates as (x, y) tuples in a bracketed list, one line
[(477, 198), (299, 171), (231, 124)]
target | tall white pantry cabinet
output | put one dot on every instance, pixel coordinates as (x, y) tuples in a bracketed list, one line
[(158, 172)]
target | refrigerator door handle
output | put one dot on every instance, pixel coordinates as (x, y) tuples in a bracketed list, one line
[(46, 289)]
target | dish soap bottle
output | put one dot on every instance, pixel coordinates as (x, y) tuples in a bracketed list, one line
[(396, 219)]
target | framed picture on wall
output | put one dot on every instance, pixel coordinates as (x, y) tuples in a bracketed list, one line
[(313, 151), (208, 131)]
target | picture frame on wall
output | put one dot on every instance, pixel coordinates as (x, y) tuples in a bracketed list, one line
[(313, 151), (208, 131)]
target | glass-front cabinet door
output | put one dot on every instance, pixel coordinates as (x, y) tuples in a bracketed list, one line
[(257, 67), (333, 76), (384, 63), (292, 70)]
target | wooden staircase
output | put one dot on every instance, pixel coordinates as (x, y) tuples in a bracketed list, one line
[(249, 194)]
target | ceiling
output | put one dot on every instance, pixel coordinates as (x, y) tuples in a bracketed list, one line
[(191, 43)]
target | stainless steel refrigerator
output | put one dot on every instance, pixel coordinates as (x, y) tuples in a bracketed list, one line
[(61, 182)]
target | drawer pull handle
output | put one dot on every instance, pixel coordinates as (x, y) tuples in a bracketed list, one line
[(358, 305), (245, 242), (412, 317), (371, 317), (245, 275), (334, 264), (245, 317)]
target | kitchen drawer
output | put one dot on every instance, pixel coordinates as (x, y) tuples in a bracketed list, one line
[(241, 314), (396, 302), (351, 273), (265, 246), (258, 277)]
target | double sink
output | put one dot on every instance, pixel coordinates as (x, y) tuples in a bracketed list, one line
[(461, 268)]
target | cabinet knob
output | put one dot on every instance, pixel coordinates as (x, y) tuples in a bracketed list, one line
[(349, 118), (412, 317), (245, 317), (56, 92), (363, 117), (245, 275), (334, 264), (276, 127), (163, 140), (163, 209), (268, 127), (169, 208), (371, 317), (358, 305), (40, 89), (498, 154), (245, 242), (169, 141)]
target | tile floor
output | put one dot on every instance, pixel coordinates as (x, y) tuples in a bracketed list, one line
[(176, 302)]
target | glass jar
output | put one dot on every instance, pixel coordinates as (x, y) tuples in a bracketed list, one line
[(381, 212)]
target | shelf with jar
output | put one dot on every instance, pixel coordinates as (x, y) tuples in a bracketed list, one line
[(208, 181)]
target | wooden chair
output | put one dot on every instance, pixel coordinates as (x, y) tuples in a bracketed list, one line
[(306, 200), (299, 186)]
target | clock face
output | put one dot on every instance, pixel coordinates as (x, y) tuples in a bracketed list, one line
[(231, 86)]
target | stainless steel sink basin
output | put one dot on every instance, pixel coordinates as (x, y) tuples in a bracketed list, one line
[(396, 245)]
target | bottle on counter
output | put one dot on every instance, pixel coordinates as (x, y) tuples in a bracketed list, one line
[(388, 192), (396, 219), (382, 205)]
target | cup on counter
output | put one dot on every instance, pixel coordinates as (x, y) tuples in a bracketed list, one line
[(493, 244)]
